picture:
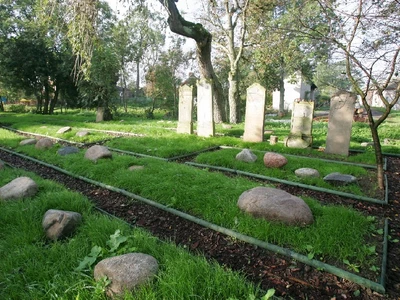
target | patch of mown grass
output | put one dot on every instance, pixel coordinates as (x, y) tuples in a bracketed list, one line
[(213, 197), (35, 268)]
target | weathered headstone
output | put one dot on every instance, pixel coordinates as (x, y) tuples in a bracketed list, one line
[(301, 125), (255, 114), (340, 122), (185, 121), (205, 112)]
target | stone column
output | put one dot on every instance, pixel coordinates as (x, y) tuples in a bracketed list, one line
[(205, 113), (255, 114), (185, 122)]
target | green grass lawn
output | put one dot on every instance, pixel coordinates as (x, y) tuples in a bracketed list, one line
[(338, 234), (34, 268)]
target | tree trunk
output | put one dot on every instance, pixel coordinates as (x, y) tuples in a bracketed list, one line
[(281, 111), (203, 38), (137, 79), (46, 99), (233, 103), (54, 101)]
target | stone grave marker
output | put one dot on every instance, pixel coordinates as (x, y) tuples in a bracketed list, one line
[(301, 125), (205, 113), (255, 114), (185, 122), (340, 122)]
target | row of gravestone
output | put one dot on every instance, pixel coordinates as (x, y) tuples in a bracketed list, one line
[(339, 126)]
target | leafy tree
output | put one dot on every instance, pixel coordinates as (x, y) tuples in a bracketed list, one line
[(282, 50), (365, 34), (227, 20), (98, 89), (203, 39), (33, 55)]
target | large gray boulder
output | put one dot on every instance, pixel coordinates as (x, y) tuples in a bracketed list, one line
[(59, 224), (20, 187), (44, 143), (28, 142), (246, 155), (275, 205), (126, 271), (97, 152), (274, 160)]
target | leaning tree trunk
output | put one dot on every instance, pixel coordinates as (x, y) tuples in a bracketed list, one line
[(203, 39)]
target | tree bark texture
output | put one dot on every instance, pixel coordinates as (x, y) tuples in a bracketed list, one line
[(203, 38)]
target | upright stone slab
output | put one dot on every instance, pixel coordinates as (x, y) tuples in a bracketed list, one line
[(255, 114), (301, 125), (340, 122), (185, 122), (205, 113)]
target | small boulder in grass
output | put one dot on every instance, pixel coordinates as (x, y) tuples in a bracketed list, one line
[(44, 143), (59, 224), (246, 155), (340, 179), (82, 133), (307, 172), (28, 142), (274, 160), (20, 187), (97, 152), (67, 150), (126, 271), (64, 130)]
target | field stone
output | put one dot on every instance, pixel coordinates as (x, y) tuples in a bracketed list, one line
[(275, 205), (67, 150), (64, 129), (274, 160), (96, 152), (246, 155), (20, 187), (44, 143), (28, 142), (60, 224), (126, 271), (135, 168), (307, 172), (340, 179), (82, 133)]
